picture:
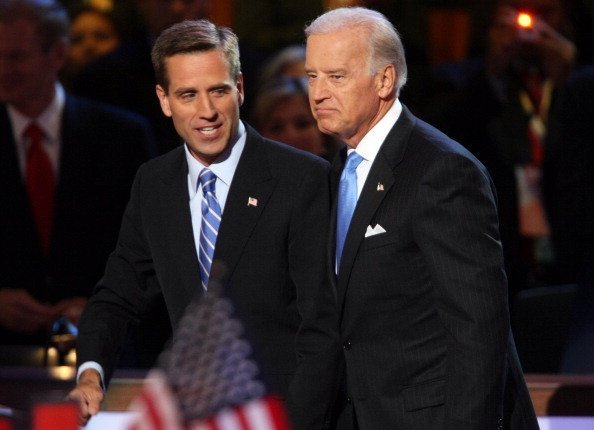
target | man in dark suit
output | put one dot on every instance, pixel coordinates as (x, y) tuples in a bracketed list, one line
[(275, 206), (420, 281), (51, 258)]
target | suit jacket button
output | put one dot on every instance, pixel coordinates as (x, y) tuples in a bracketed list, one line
[(347, 345)]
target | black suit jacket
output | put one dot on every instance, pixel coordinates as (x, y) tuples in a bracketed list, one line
[(423, 307), (102, 148), (275, 258)]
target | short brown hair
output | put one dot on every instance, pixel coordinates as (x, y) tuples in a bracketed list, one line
[(194, 36)]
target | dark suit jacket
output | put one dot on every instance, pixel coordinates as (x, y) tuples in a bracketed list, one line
[(423, 307), (102, 148), (275, 258)]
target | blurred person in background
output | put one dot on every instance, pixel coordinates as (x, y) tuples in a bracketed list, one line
[(281, 112), (93, 33), (569, 186), (289, 61), (501, 113), (66, 167)]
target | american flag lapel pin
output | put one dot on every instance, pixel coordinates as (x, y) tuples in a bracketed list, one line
[(252, 201), (380, 186)]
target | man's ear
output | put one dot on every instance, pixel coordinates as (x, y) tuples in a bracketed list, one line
[(386, 81), (163, 100), (240, 90)]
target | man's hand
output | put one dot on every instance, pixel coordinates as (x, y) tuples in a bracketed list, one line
[(20, 312), (71, 308), (502, 44), (507, 43), (89, 395), (558, 54)]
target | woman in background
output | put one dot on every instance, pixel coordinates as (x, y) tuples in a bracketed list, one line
[(281, 112)]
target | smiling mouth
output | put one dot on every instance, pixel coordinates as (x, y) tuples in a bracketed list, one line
[(209, 131)]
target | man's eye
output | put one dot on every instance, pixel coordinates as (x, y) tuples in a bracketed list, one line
[(219, 92), (188, 96)]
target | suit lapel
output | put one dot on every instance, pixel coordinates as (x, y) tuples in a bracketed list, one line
[(377, 186), (252, 179), (174, 199)]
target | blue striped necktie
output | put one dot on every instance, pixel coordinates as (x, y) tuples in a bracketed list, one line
[(347, 200), (211, 220)]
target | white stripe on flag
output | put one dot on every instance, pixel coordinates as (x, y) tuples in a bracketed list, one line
[(227, 420), (258, 415)]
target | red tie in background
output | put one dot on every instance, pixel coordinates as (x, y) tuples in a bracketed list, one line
[(40, 184)]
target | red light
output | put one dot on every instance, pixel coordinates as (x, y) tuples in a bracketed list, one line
[(524, 20)]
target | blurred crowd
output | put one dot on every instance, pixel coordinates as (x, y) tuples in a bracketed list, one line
[(524, 107)]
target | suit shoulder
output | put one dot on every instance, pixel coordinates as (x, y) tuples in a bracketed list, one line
[(438, 142), (93, 110)]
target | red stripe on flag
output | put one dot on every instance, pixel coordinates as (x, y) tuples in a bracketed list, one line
[(277, 413), (154, 414), (242, 418)]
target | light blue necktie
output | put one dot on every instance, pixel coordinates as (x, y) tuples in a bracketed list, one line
[(211, 220), (347, 200)]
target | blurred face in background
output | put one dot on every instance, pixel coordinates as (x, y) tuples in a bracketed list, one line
[(161, 14), (28, 72), (92, 35), (290, 121)]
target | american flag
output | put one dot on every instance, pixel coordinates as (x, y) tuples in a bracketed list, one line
[(207, 379)]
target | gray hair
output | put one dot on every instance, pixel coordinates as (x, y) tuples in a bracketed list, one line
[(194, 36), (385, 46)]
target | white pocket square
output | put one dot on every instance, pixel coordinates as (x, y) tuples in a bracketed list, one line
[(372, 231)]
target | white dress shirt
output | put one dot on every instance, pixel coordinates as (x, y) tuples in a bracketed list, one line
[(372, 142), (49, 121)]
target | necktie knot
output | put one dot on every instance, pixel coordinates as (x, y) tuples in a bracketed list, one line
[(34, 133), (353, 161), (207, 180)]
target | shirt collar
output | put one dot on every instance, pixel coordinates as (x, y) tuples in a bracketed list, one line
[(49, 120), (373, 140), (224, 165)]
